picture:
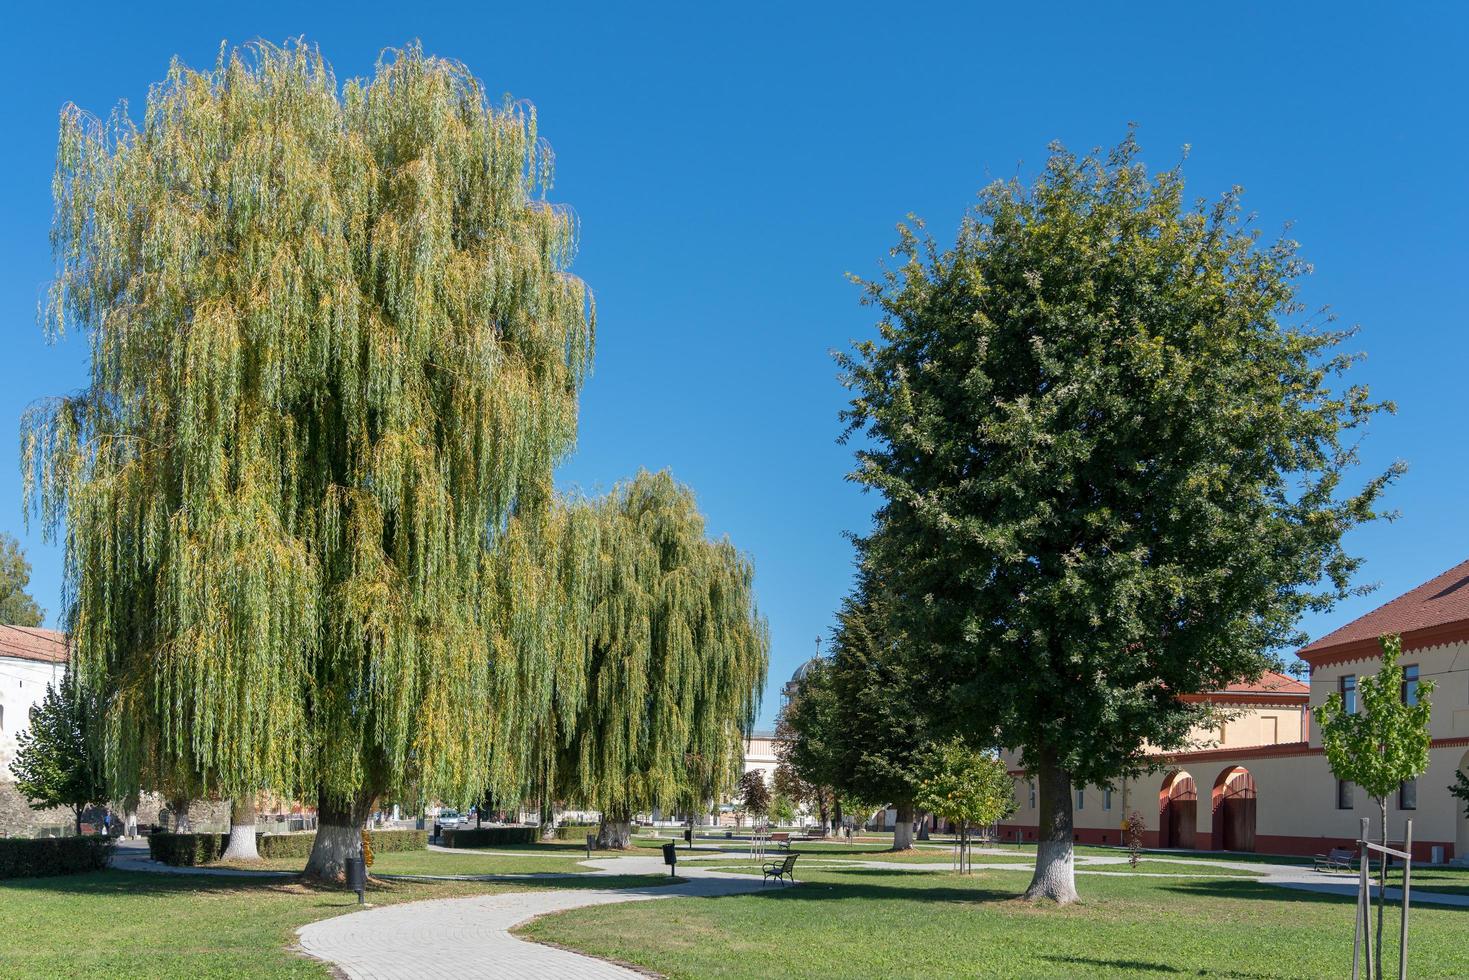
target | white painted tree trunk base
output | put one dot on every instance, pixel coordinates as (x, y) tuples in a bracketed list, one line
[(1055, 878), (614, 835), (242, 844)]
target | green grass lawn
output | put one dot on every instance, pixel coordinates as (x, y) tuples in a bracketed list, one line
[(194, 927), (892, 923), (514, 859)]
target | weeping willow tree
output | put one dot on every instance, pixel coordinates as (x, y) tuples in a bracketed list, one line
[(654, 654), (334, 347)]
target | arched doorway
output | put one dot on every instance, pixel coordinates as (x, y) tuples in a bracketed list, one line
[(1178, 803), (1461, 840), (1234, 810)]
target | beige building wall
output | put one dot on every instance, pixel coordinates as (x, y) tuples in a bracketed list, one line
[(1296, 801)]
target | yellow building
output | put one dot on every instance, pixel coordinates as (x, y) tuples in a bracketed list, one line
[(1261, 782)]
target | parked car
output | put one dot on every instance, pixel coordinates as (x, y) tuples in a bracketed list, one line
[(450, 819)]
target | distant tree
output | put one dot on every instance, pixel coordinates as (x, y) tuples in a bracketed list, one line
[(17, 608), (808, 740), (783, 810), (789, 784), (967, 786), (1114, 461), (1460, 789), (754, 794), (1381, 745), (881, 715), (57, 763)]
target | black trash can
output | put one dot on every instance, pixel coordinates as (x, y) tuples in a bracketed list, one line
[(357, 876), (670, 856)]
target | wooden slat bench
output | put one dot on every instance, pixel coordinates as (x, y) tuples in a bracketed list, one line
[(1337, 859)]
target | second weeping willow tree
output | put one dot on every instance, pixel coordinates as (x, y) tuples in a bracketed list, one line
[(657, 654), (334, 346)]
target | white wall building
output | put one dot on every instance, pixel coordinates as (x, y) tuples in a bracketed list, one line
[(30, 659)]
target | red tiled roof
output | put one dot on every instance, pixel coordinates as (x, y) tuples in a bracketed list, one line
[(33, 643), (1437, 602), (1270, 683)]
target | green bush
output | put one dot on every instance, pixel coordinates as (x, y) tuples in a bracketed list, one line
[(38, 857), (575, 831), (186, 850), (485, 836), (384, 841), (190, 849)]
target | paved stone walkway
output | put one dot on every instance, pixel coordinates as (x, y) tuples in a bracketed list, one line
[(470, 937)]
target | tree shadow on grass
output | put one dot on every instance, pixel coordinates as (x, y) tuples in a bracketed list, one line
[(893, 884)]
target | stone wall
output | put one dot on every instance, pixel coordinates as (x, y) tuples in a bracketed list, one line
[(17, 819)]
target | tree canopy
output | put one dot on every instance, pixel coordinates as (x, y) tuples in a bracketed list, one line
[(335, 344), (1114, 462), (655, 653), (17, 607)]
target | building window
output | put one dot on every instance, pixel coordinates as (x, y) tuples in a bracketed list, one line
[(1080, 800), (1343, 795), (1106, 799), (1410, 684), (1032, 794), (1348, 686), (1408, 795)]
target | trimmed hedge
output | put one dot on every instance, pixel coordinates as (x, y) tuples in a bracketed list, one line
[(575, 831), (40, 857), (190, 849), (484, 836), (385, 841), (186, 850)]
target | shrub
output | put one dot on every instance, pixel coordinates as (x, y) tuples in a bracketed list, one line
[(487, 836), (575, 831), (186, 850), (38, 857), (191, 849)]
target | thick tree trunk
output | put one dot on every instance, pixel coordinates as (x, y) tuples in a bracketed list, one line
[(903, 828), (1055, 873), (614, 833), (338, 836), (77, 813), (923, 827), (548, 821), (836, 817), (242, 832)]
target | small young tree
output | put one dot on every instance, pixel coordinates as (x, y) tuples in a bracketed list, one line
[(1382, 745), (754, 794), (965, 785), (55, 764), (783, 810), (1133, 828)]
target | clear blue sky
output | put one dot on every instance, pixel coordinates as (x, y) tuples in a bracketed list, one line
[(731, 162)]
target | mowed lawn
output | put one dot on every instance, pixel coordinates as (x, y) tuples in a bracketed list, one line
[(895, 923), (162, 926), (509, 860)]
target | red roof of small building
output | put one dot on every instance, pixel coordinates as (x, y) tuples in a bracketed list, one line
[(1437, 603), (33, 643), (1270, 683)]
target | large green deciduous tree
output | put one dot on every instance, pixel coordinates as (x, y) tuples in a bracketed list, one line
[(57, 759), (1381, 744), (653, 655), (1115, 466), (334, 346), (17, 607)]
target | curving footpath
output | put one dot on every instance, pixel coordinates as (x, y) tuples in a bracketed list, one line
[(470, 937)]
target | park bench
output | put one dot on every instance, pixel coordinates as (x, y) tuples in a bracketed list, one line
[(1337, 859), (780, 869)]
